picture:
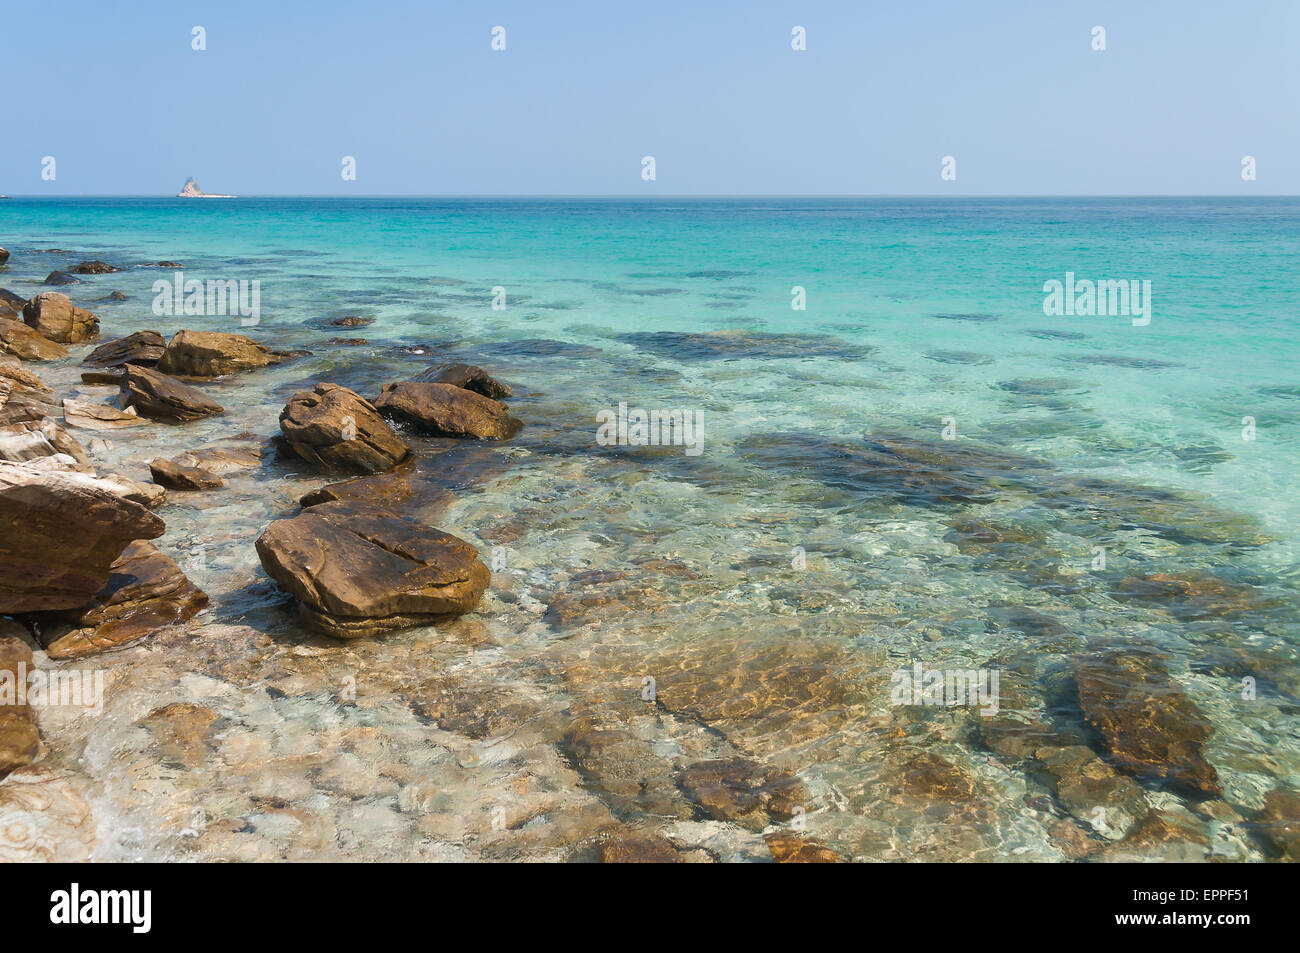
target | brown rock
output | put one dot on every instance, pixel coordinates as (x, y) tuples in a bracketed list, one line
[(214, 354), (143, 348), (448, 411), (4, 255), (113, 377), (339, 430), (11, 305), (790, 848), (1150, 728), (81, 413), (59, 535), (631, 847), (736, 789), (468, 376), (54, 317), (23, 395), (165, 398), (170, 474), (29, 440), (92, 268), (20, 742), (1091, 790), (1279, 823), (1193, 595), (360, 571), (146, 591), (18, 339)]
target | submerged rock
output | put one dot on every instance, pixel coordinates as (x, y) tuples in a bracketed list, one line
[(742, 791), (165, 398), (143, 348), (215, 354), (146, 592), (1090, 789), (788, 848), (632, 847), (92, 268), (1192, 595), (1149, 727), (60, 533), (359, 572), (1278, 822), (339, 430), (469, 376), (447, 410), (173, 475), (18, 339), (20, 742)]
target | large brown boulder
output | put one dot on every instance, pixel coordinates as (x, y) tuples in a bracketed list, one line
[(59, 534), (340, 430), (446, 410), (165, 398), (146, 591), (18, 339), (214, 354), (469, 376), (1149, 726), (359, 571), (143, 348), (53, 316)]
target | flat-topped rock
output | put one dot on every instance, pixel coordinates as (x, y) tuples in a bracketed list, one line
[(146, 592), (18, 339), (143, 348), (84, 414), (360, 571), (164, 398), (446, 410), (469, 376), (60, 532), (339, 430), (215, 354)]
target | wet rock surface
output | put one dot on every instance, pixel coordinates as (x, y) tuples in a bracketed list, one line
[(59, 536), (18, 339), (158, 396), (359, 572), (469, 376), (208, 354), (53, 316), (146, 591), (142, 348), (20, 741), (176, 476), (340, 431), (447, 410)]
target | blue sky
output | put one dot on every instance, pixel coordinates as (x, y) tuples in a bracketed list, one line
[(1011, 88)]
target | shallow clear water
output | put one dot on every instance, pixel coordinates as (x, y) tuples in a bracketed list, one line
[(916, 311)]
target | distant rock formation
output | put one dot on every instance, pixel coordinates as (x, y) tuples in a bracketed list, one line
[(191, 190)]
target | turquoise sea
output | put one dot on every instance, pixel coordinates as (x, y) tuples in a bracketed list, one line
[(1110, 491)]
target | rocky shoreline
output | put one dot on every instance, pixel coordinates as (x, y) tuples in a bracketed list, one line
[(735, 742)]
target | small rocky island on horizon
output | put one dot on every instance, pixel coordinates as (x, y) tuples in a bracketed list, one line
[(191, 190)]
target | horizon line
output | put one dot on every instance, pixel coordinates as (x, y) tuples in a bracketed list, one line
[(673, 195)]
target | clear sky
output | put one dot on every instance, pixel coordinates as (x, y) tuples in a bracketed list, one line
[(585, 88)]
